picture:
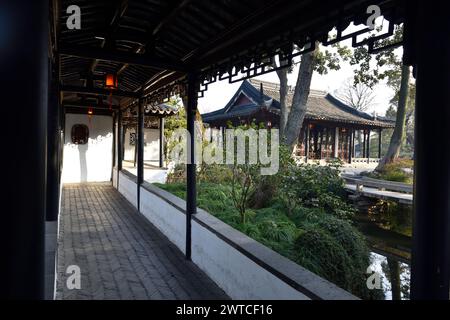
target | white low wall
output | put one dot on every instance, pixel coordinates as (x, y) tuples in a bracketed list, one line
[(114, 177), (242, 267), (167, 218), (128, 187)]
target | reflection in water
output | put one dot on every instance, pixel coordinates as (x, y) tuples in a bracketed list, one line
[(395, 276), (387, 227)]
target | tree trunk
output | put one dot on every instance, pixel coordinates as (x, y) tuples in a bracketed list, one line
[(394, 273), (298, 109), (284, 112), (399, 131)]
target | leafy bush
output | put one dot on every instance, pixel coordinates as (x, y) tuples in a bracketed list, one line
[(215, 173), (177, 174), (315, 186), (318, 252), (267, 187), (277, 230), (335, 250)]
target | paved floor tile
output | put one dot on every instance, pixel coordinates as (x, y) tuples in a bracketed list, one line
[(120, 254)]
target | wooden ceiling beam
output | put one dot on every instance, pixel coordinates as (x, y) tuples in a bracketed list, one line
[(122, 57), (99, 91)]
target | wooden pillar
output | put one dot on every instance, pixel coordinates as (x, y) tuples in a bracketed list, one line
[(24, 82), (364, 144), (353, 143), (53, 137), (119, 141), (430, 273), (350, 145), (380, 137), (336, 143), (191, 199), (368, 146), (161, 142), (140, 151), (307, 142), (114, 132)]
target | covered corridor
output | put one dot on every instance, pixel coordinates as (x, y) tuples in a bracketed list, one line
[(120, 254), (154, 50)]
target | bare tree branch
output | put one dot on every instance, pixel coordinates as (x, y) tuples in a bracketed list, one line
[(358, 96)]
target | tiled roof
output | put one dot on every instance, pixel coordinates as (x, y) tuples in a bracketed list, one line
[(320, 106), (161, 109)]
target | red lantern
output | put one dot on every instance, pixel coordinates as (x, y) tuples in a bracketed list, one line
[(111, 83)]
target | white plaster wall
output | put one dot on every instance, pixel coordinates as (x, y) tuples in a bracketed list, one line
[(92, 161), (170, 221), (128, 188), (236, 274), (151, 149), (128, 148)]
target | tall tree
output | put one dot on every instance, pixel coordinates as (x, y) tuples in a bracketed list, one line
[(386, 65), (291, 117), (400, 122)]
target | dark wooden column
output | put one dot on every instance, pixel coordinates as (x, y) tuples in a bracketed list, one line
[(24, 84), (140, 151), (53, 137), (364, 144), (353, 143), (350, 145), (368, 147), (161, 142), (307, 141), (114, 132), (430, 274), (119, 140), (191, 199), (380, 137)]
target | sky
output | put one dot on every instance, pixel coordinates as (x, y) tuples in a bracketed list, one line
[(219, 93)]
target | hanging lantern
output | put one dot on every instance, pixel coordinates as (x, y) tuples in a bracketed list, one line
[(111, 83), (90, 113)]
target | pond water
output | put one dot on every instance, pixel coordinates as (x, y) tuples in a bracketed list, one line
[(395, 276), (387, 228)]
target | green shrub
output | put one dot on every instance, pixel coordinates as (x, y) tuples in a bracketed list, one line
[(177, 174), (215, 173), (318, 252), (277, 230), (315, 186), (335, 250)]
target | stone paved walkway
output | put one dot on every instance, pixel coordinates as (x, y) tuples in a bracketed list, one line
[(120, 254)]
